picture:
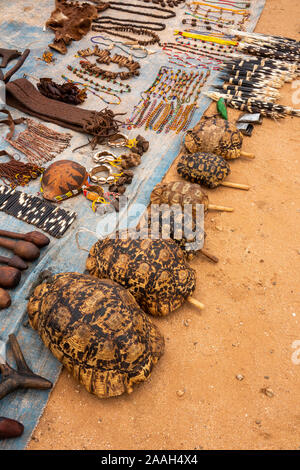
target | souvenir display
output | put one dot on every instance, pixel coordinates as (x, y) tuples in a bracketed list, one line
[(207, 169), (96, 324), (154, 271), (105, 319), (216, 135)]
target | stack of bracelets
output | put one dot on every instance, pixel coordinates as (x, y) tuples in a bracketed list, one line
[(169, 104)]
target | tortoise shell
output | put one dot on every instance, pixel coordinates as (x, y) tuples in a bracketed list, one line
[(61, 178), (180, 227), (154, 271), (214, 135), (203, 168), (179, 192), (97, 330)]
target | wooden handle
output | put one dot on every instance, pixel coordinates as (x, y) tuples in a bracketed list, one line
[(209, 256), (213, 207), (39, 239), (9, 277), (196, 303), (5, 299), (247, 155), (245, 187)]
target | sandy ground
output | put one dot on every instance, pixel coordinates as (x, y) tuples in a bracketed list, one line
[(251, 320)]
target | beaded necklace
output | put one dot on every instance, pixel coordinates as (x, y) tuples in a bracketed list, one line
[(117, 6), (113, 44), (86, 76), (206, 47), (217, 52), (90, 89), (169, 87), (120, 22), (138, 116), (104, 57), (137, 31)]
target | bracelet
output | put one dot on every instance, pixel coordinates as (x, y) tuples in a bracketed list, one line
[(109, 179)]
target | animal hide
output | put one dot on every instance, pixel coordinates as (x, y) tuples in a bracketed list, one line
[(70, 21)]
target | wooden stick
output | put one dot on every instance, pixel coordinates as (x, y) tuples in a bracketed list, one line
[(209, 256), (247, 155), (213, 207), (245, 187), (196, 303)]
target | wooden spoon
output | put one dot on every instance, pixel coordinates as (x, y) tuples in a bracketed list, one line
[(15, 261), (25, 250), (39, 239)]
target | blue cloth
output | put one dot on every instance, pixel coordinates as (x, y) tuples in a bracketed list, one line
[(63, 255)]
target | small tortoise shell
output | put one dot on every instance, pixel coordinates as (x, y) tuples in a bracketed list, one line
[(214, 135), (179, 192), (203, 168)]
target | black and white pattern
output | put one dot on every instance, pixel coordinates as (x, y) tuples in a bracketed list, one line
[(33, 210)]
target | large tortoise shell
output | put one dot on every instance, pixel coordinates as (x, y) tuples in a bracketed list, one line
[(97, 330), (154, 271), (214, 135), (203, 168)]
